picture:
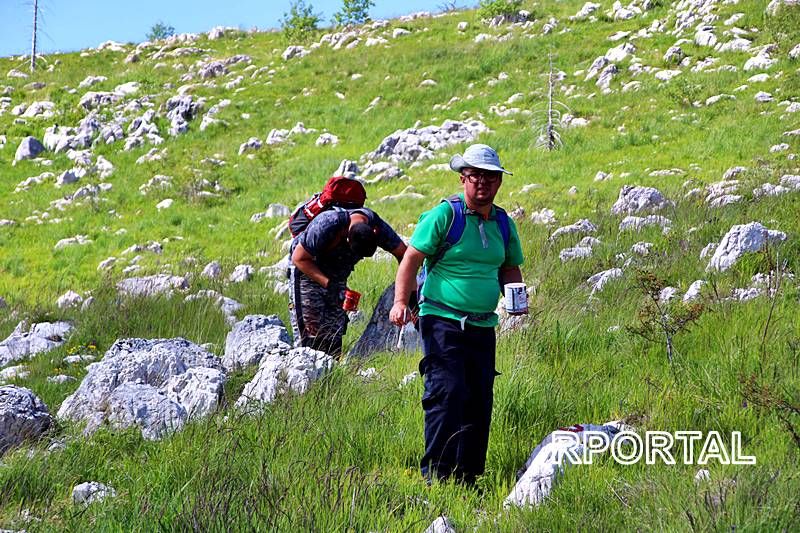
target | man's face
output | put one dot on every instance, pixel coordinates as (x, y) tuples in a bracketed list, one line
[(481, 185)]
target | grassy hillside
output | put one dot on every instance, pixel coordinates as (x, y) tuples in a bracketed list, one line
[(344, 456)]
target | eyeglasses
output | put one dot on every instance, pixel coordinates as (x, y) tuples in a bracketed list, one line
[(486, 176)]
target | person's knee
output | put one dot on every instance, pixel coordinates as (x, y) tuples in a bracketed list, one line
[(445, 393)]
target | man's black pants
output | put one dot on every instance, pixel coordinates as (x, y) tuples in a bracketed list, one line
[(458, 367)]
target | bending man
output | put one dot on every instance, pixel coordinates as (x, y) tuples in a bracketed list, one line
[(322, 258)]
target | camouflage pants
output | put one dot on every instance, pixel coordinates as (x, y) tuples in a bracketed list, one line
[(318, 320)]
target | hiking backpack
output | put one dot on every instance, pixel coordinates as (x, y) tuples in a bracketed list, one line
[(338, 193), (454, 232)]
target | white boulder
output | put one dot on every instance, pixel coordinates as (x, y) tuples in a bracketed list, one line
[(282, 371), (740, 240), (252, 338)]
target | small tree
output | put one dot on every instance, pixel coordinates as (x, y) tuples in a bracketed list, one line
[(160, 31), (661, 319), (300, 22), (353, 12)]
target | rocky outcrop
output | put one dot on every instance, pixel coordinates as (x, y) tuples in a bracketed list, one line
[(25, 341), (742, 239), (253, 338), (381, 335), (282, 371), (23, 416), (159, 284), (155, 385), (636, 199), (419, 144)]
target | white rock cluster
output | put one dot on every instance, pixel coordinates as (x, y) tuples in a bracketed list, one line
[(281, 371), (155, 385), (419, 144), (26, 341)]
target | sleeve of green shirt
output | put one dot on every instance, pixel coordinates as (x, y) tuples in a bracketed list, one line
[(432, 228), (514, 251)]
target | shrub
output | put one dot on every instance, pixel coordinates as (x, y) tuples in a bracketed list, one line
[(490, 9), (160, 31), (353, 12), (300, 23)]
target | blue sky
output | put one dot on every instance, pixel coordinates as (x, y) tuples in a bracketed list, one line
[(67, 25)]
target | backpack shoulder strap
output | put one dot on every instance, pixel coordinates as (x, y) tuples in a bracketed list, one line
[(454, 230), (503, 224), (459, 221)]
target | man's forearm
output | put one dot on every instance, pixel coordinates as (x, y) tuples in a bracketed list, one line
[(310, 269), (404, 282)]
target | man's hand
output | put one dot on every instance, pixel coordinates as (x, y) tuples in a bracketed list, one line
[(400, 315)]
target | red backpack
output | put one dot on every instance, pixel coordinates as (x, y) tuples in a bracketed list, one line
[(339, 192)]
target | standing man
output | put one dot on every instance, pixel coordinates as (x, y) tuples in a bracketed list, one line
[(322, 257), (456, 316)]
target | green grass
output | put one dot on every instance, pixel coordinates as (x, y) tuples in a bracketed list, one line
[(344, 455)]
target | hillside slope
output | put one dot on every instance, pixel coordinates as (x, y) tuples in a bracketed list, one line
[(344, 454)]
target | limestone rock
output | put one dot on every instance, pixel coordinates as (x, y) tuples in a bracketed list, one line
[(213, 270), (253, 143), (548, 460), (419, 144), (155, 385), (28, 148), (326, 139), (583, 226), (693, 292), (294, 51), (11, 373), (158, 284), (598, 281), (69, 299), (639, 223), (282, 371), (241, 274), (742, 239), (635, 199), (381, 335), (38, 338), (544, 216), (441, 525), (23, 416), (91, 492), (252, 338)]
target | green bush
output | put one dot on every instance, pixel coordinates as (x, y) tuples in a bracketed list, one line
[(300, 23), (160, 31), (353, 12), (492, 8)]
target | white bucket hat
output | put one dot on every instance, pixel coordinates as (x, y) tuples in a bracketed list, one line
[(478, 156)]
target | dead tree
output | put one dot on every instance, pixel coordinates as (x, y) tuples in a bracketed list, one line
[(33, 37), (549, 136)]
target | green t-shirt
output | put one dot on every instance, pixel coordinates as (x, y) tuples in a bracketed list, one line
[(466, 277)]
